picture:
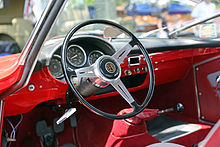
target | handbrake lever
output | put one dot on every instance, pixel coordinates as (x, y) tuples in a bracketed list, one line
[(177, 108)]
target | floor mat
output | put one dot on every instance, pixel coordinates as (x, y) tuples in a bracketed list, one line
[(167, 129)]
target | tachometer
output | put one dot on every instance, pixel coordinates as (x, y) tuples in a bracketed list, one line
[(55, 67), (94, 55), (76, 56)]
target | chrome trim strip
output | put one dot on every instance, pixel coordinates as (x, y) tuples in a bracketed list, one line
[(208, 60), (1, 110), (129, 60), (206, 122), (197, 95), (1, 118)]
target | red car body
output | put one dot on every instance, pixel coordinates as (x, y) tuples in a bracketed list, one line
[(183, 73)]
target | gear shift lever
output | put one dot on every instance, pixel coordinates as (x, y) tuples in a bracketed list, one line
[(177, 108)]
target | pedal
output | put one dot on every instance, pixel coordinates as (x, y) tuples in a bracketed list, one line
[(41, 128), (58, 128), (49, 139), (46, 134), (73, 121), (68, 145)]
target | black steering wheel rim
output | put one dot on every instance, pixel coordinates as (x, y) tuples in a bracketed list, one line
[(135, 41)]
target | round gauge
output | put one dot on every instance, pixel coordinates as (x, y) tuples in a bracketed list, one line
[(55, 67), (94, 55), (76, 56)]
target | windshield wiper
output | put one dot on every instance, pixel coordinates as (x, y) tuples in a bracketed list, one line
[(144, 35), (175, 32)]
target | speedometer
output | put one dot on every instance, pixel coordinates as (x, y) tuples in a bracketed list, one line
[(76, 56), (94, 55)]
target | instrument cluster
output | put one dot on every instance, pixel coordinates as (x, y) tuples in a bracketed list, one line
[(77, 57)]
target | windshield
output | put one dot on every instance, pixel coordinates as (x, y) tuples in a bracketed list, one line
[(138, 16), (144, 18)]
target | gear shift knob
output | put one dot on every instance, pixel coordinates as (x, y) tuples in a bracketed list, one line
[(178, 108)]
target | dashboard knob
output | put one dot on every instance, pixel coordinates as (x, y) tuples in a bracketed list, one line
[(145, 68), (137, 70), (128, 72)]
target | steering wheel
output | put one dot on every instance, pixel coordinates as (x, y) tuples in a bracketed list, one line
[(107, 68)]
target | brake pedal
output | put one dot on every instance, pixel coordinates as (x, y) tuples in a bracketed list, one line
[(73, 121), (58, 127)]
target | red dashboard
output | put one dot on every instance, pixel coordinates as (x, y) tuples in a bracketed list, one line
[(169, 66)]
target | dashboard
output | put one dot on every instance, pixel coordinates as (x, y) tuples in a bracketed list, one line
[(80, 55), (47, 83)]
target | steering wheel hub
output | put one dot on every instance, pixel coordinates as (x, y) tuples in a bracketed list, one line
[(109, 69)]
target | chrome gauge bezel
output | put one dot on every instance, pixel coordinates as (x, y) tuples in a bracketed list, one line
[(84, 54), (59, 58), (92, 53)]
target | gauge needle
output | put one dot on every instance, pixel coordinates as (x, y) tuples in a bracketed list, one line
[(73, 57)]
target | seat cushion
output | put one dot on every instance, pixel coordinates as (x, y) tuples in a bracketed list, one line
[(165, 145)]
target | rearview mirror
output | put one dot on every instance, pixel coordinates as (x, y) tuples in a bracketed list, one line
[(111, 32)]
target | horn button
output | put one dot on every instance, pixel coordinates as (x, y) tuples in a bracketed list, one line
[(109, 68)]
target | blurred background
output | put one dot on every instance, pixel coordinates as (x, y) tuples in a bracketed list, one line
[(18, 17)]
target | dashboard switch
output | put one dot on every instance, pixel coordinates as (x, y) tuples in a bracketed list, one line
[(145, 68), (137, 70), (128, 72)]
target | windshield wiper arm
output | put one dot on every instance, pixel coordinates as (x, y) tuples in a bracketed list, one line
[(171, 34), (152, 32)]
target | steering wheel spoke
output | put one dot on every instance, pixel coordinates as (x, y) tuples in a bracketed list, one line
[(85, 72), (71, 72), (122, 53), (123, 91)]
